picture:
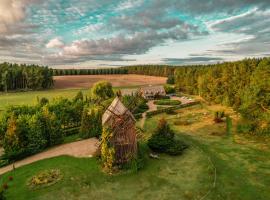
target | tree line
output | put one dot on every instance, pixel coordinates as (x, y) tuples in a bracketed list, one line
[(65, 72), (243, 85), (24, 77), (151, 70)]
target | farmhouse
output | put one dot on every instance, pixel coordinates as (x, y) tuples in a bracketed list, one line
[(150, 92), (122, 124)]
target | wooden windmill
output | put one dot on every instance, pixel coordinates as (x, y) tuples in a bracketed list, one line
[(122, 123)]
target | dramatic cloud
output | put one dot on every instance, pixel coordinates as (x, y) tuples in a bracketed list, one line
[(155, 31), (191, 60), (55, 43)]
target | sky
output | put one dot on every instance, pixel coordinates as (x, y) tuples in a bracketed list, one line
[(108, 33)]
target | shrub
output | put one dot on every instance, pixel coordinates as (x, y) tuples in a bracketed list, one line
[(246, 127), (176, 148), (170, 79), (167, 102), (102, 90), (162, 141), (79, 96), (91, 125), (2, 195), (169, 89)]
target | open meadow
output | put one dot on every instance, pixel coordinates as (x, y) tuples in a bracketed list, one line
[(68, 86), (216, 166)]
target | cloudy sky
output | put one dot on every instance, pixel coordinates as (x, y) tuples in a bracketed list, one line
[(98, 33)]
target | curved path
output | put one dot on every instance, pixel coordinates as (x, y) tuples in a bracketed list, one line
[(84, 148)]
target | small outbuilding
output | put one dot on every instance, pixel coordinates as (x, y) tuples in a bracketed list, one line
[(122, 124), (151, 92)]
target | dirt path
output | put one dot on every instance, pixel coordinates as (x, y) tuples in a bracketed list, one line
[(152, 107), (84, 148)]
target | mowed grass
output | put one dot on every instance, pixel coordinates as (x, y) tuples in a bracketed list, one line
[(30, 98), (242, 162), (183, 177)]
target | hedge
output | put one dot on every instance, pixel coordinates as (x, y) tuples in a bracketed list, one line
[(156, 112)]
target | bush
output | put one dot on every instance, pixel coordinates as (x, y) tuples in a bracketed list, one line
[(2, 195), (91, 125), (176, 148), (246, 127), (162, 141), (169, 89), (167, 102), (101, 91), (170, 79)]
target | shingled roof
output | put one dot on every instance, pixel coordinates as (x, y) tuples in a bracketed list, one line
[(116, 108), (153, 89)]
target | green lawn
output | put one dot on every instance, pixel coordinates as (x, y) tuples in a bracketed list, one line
[(215, 167), (166, 178), (29, 98), (242, 162)]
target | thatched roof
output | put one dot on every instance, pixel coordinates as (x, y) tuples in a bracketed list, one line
[(153, 89), (116, 109)]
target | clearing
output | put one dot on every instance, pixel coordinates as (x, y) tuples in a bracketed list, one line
[(125, 80)]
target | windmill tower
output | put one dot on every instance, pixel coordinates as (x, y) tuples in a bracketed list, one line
[(122, 124)]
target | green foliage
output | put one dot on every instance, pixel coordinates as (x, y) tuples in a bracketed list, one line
[(246, 127), (24, 77), (79, 96), (167, 102), (169, 89), (63, 72), (107, 150), (43, 101), (135, 103), (229, 125), (171, 80), (101, 91), (2, 194), (91, 125), (27, 130), (162, 141), (243, 85)]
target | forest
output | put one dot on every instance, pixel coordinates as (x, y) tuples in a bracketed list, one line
[(24, 77), (64, 72), (151, 70), (243, 85)]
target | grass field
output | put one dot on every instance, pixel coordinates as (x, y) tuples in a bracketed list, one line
[(166, 178), (216, 166), (29, 98), (242, 162)]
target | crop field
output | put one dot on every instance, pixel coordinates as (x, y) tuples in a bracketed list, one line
[(68, 86), (125, 80)]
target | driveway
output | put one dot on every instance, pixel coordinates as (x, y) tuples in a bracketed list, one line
[(84, 148)]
